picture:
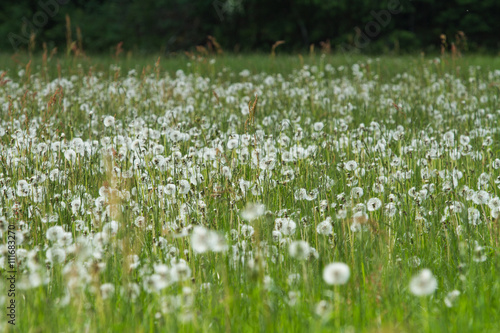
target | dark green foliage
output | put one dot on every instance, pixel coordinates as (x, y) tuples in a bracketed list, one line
[(253, 25)]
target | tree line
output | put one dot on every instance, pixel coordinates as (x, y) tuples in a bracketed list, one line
[(173, 26)]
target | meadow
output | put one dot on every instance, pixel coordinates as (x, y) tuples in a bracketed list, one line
[(203, 193)]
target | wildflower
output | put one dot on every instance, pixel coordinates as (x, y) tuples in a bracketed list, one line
[(374, 204), (267, 164), (23, 188), (134, 261), (356, 226), (170, 190), (496, 164), (175, 136), (140, 222), (267, 281), (65, 239), (232, 144), (184, 186), (350, 166), (390, 209), (336, 273), (299, 250), (252, 211), (494, 203), (357, 192), (323, 309), (217, 242), (474, 216), (244, 73), (247, 230), (276, 235), (35, 280), (480, 198), (451, 298), (312, 195), (325, 227), (323, 205), (226, 172), (341, 214), (414, 261), (54, 233), (107, 290), (154, 283), (293, 279), (180, 271), (55, 255), (70, 155), (244, 186), (285, 225), (300, 194), (479, 255), (203, 240), (76, 204), (423, 284), (293, 297), (318, 126), (378, 188)]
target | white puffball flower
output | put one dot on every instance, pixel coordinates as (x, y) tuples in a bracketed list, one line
[(109, 121), (180, 271), (107, 290), (336, 273), (318, 126), (323, 309), (451, 298), (70, 155), (252, 211), (350, 165), (423, 284), (23, 188), (203, 240), (184, 186), (299, 250), (479, 255), (285, 225), (200, 239), (55, 255), (54, 233), (374, 204), (325, 227)]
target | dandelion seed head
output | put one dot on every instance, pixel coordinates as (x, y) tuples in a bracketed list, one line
[(336, 273), (252, 211), (423, 284), (299, 250)]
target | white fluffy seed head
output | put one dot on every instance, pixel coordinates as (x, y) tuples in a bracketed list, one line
[(336, 273), (252, 211), (109, 121), (299, 250), (423, 284)]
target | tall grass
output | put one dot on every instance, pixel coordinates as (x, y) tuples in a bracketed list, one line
[(130, 182)]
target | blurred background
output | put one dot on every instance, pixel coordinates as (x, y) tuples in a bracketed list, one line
[(176, 26)]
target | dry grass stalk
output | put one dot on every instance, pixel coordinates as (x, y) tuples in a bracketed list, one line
[(251, 111), (444, 45), (119, 49), (275, 45), (213, 41), (32, 44), (326, 47)]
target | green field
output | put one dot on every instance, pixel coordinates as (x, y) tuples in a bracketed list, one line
[(212, 193)]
